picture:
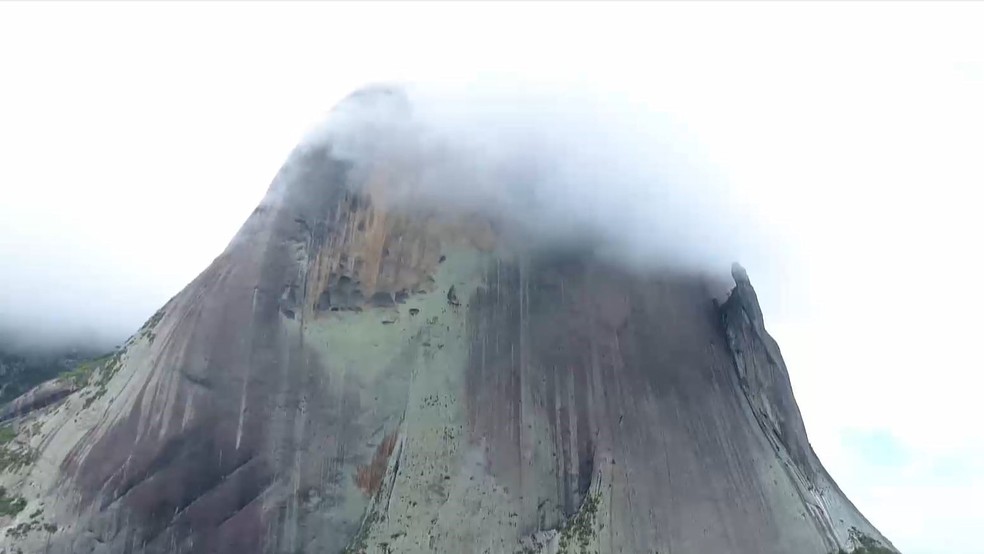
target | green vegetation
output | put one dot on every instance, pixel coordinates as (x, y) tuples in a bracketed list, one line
[(7, 434), (99, 371), (14, 459), (19, 374), (89, 400), (13, 455), (147, 331), (864, 544), (22, 529), (111, 368), (81, 374), (153, 321), (96, 373), (580, 529), (11, 505)]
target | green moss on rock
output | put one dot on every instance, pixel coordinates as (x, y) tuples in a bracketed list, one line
[(12, 459), (578, 532), (11, 505), (7, 434)]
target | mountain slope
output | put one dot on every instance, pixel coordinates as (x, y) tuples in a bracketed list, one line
[(356, 373)]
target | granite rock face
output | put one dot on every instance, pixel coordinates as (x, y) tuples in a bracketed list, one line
[(38, 397), (354, 374)]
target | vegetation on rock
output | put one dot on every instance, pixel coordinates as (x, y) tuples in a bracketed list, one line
[(11, 505), (7, 434), (22, 529), (13, 456), (864, 544), (96, 372), (19, 374), (80, 375), (147, 331), (576, 535)]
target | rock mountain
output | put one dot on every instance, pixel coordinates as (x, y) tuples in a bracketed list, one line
[(359, 374)]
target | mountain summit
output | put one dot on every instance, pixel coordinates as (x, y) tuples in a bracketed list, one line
[(361, 372)]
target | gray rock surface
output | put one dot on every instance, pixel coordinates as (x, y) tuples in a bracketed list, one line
[(38, 397), (353, 375)]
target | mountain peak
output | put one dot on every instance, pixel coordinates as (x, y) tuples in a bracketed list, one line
[(357, 374)]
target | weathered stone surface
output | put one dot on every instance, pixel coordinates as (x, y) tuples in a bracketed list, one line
[(38, 397), (353, 374)]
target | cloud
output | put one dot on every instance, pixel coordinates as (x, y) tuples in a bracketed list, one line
[(564, 165)]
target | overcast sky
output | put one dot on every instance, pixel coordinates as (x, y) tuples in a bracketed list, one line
[(135, 139)]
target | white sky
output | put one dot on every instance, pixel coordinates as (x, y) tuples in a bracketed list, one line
[(135, 139)]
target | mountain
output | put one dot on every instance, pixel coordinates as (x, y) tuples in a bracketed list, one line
[(356, 373), (21, 371)]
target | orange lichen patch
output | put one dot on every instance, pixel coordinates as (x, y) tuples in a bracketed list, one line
[(369, 478), (386, 250)]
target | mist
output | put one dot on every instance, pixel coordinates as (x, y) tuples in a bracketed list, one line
[(554, 166), (559, 164), (55, 302)]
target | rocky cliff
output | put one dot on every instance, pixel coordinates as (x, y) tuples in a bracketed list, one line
[(356, 374)]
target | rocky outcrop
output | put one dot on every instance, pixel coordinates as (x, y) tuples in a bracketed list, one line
[(764, 381), (354, 374), (45, 394), (19, 373)]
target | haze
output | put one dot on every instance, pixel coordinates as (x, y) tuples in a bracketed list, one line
[(566, 166), (833, 149)]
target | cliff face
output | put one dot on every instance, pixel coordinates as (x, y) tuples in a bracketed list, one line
[(354, 374)]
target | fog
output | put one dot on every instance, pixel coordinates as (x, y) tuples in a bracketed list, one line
[(558, 166)]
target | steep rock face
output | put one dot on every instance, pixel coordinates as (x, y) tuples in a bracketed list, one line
[(764, 380), (355, 374)]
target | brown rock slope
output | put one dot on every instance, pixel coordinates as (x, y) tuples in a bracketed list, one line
[(353, 374)]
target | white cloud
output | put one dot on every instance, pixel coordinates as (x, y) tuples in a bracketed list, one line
[(134, 139)]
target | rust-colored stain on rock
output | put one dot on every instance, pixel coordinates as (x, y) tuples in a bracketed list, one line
[(370, 477)]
